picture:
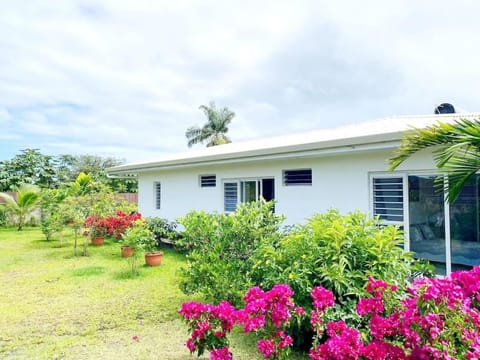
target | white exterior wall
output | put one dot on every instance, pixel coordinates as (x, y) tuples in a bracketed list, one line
[(340, 181)]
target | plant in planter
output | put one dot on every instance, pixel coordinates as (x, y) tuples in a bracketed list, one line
[(97, 228), (141, 239)]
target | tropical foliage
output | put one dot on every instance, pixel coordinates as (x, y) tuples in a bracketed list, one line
[(46, 171), (216, 128), (221, 248), (26, 201), (456, 149)]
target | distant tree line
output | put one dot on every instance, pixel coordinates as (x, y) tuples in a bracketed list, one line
[(30, 166)]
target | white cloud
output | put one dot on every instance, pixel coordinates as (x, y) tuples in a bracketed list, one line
[(126, 78)]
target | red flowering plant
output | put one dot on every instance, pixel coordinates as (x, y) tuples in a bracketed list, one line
[(118, 223), (97, 226), (209, 326)]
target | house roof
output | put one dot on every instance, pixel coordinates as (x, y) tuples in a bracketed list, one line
[(371, 135)]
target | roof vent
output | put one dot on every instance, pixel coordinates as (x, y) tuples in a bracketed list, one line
[(445, 108)]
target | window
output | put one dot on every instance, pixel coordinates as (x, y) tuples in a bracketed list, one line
[(208, 180), (238, 191), (157, 190), (388, 198), (230, 190), (297, 177)]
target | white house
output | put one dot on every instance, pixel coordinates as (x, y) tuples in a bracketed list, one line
[(344, 168)]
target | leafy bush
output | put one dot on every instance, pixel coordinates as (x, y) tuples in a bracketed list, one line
[(336, 252), (221, 248), (163, 229)]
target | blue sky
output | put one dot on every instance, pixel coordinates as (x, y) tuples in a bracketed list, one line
[(126, 78)]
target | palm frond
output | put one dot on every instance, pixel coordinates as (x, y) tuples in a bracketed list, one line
[(8, 199), (457, 152)]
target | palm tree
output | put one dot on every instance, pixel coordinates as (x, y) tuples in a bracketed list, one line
[(456, 151), (28, 197), (214, 131)]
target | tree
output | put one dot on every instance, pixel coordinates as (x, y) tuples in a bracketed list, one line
[(216, 128), (456, 150), (28, 197), (28, 167), (69, 167)]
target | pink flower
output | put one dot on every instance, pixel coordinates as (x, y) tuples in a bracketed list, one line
[(135, 338), (190, 345), (266, 347), (299, 311), (221, 354), (254, 323), (322, 298), (369, 306)]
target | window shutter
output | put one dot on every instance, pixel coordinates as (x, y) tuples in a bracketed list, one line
[(297, 177), (157, 188), (208, 180), (388, 198), (230, 190)]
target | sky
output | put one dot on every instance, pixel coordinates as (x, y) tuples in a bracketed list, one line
[(126, 78)]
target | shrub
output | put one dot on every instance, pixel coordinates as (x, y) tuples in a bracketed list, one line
[(118, 223), (163, 229), (336, 252), (221, 248)]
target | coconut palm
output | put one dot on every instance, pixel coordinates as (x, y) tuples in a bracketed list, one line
[(216, 128), (456, 150), (28, 197)]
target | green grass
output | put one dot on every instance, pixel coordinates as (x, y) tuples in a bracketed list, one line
[(54, 305)]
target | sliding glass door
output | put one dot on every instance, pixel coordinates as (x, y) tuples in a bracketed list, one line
[(446, 235), (464, 227)]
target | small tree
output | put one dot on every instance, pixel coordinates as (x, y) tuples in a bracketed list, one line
[(28, 197)]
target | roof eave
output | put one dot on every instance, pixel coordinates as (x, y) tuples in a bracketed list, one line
[(322, 148)]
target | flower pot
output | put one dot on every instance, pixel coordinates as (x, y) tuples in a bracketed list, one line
[(97, 241), (154, 259), (127, 251)]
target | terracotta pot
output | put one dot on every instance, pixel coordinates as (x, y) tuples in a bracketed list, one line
[(127, 251), (154, 259), (97, 241)]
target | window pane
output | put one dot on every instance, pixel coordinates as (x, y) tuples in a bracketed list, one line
[(427, 221), (249, 191), (464, 227)]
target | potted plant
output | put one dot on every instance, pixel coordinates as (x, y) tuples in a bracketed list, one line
[(141, 239), (97, 228)]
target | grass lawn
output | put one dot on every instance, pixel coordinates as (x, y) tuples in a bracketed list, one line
[(57, 306)]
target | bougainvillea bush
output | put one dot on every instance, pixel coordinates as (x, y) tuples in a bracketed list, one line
[(266, 313), (437, 319)]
